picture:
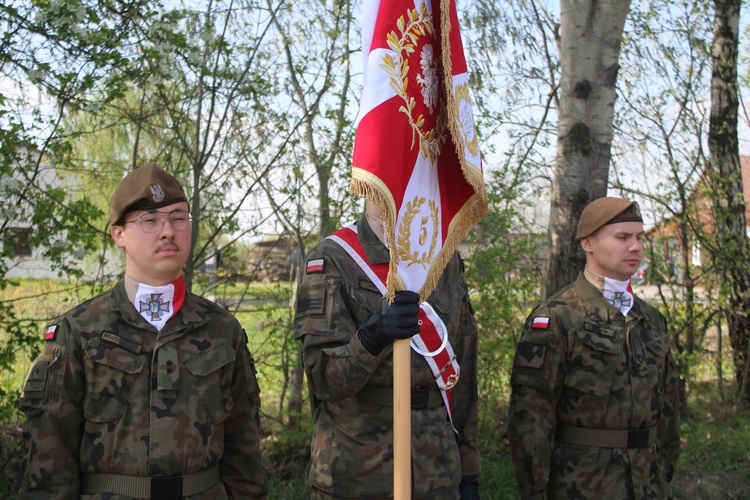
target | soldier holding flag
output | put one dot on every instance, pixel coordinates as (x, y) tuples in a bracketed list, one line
[(383, 311), (348, 328)]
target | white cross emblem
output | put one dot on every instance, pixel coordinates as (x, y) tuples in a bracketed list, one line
[(155, 307), (619, 301)]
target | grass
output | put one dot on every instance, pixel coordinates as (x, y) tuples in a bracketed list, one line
[(714, 435), (720, 443)]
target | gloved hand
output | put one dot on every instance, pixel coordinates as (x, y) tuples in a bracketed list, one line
[(468, 489), (390, 322)]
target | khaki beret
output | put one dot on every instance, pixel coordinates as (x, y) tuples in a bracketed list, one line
[(603, 211), (145, 188)]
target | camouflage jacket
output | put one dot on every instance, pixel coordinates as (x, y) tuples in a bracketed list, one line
[(352, 449), (108, 394), (581, 363)]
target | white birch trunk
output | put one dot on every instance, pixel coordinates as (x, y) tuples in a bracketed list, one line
[(590, 39), (726, 186)]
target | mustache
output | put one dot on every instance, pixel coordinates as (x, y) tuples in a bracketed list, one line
[(169, 246)]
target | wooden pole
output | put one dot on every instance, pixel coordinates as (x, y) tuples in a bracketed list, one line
[(401, 420)]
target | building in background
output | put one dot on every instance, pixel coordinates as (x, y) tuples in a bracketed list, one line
[(663, 261), (20, 259)]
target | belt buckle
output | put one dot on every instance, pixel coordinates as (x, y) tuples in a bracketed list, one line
[(166, 488), (638, 438)]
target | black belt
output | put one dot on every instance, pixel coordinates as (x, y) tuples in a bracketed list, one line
[(383, 396), (606, 438), (163, 488)]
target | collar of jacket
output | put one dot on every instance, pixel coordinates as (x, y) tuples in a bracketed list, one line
[(593, 299), (376, 252), (191, 315)]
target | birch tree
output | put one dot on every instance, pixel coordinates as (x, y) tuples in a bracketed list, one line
[(590, 40), (726, 185)]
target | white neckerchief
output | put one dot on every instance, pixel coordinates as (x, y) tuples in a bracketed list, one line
[(155, 303), (617, 293)]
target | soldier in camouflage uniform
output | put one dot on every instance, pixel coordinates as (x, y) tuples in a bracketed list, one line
[(349, 367), (594, 404), (146, 391)]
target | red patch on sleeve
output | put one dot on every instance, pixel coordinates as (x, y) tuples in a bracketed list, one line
[(540, 323), (51, 333), (315, 266)]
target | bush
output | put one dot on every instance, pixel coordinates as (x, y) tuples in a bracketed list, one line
[(11, 455)]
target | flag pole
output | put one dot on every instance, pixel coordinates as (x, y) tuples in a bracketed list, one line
[(401, 420)]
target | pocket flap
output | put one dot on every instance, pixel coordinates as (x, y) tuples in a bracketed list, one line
[(116, 358), (447, 298), (211, 360), (598, 341), (37, 377)]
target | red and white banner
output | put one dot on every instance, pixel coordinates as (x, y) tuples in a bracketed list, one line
[(416, 152)]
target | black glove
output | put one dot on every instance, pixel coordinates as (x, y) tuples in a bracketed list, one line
[(389, 322), (469, 488)]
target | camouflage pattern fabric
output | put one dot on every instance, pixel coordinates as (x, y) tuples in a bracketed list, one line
[(580, 362), (352, 446), (110, 395)]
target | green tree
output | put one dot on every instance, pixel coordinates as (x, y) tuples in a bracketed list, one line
[(504, 268), (660, 160), (726, 185)]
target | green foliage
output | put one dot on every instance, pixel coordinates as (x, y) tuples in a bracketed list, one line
[(280, 356), (11, 451), (42, 217), (497, 481), (25, 335), (503, 272), (287, 456)]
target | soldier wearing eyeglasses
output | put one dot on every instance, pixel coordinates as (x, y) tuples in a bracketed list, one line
[(146, 391)]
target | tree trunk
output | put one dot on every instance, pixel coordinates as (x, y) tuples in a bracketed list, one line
[(726, 186), (591, 35), (195, 210)]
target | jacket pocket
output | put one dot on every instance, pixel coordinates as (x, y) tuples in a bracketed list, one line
[(42, 389), (318, 307), (592, 360), (211, 375), (111, 373)]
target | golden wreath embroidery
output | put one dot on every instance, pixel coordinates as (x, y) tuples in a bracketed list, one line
[(419, 23), (405, 253)]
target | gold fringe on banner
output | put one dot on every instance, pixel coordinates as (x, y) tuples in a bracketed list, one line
[(370, 187), (473, 174)]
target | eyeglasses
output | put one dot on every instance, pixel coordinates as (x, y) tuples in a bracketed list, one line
[(152, 222)]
